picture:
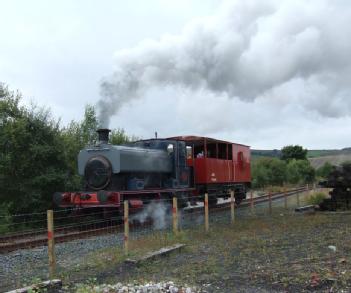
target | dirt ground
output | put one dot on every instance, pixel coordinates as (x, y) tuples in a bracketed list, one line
[(282, 253)]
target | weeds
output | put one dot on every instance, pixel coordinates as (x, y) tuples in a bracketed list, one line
[(316, 198)]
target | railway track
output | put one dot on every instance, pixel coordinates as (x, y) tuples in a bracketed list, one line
[(63, 234)]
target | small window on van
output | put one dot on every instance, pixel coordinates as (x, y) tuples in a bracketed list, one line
[(222, 151), (189, 152), (241, 159), (230, 152)]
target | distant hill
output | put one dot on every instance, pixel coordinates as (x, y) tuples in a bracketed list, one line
[(265, 153), (316, 157), (322, 153), (335, 160)]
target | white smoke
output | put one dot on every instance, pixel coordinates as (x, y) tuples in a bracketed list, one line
[(248, 49), (158, 212)]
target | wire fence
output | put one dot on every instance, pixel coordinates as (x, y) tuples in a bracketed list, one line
[(68, 241)]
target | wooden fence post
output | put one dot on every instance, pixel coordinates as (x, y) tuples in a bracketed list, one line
[(51, 244), (270, 202), (175, 216), (285, 199), (298, 198), (126, 226), (232, 206), (206, 213), (252, 203)]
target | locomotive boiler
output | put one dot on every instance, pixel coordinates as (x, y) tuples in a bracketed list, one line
[(186, 167)]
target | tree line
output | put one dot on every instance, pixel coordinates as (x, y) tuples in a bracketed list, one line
[(291, 168), (39, 157)]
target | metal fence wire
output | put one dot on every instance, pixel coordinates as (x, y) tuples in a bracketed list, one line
[(69, 241)]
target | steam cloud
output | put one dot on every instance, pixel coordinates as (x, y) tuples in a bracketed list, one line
[(158, 212), (286, 50)]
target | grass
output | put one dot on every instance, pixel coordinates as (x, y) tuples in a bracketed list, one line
[(278, 252), (283, 252)]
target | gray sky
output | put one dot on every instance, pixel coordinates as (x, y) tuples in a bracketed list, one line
[(263, 73)]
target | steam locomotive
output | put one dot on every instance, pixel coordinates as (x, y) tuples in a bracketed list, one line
[(186, 167)]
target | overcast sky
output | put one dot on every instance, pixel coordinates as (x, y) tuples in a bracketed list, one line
[(262, 73)]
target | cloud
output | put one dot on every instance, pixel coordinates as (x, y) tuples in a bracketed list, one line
[(288, 51)]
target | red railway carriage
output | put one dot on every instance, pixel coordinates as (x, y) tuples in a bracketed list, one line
[(218, 166)]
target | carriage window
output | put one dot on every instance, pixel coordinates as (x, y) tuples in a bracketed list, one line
[(222, 151), (230, 152), (199, 151), (211, 150), (189, 152), (182, 153)]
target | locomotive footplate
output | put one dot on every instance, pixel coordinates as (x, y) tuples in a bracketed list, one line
[(114, 199)]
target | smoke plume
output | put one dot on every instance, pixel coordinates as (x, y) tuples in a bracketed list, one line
[(248, 49), (158, 212)]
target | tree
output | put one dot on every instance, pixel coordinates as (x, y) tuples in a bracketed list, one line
[(292, 170), (32, 163), (324, 170), (37, 156), (76, 136), (259, 174), (293, 152), (119, 136), (88, 126), (300, 171), (268, 171), (307, 172)]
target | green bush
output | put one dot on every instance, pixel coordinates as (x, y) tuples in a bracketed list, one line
[(324, 170), (316, 198), (5, 218)]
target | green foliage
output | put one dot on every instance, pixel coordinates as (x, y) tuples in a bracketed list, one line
[(300, 171), (316, 198), (324, 170), (5, 218), (75, 137), (118, 136), (37, 156), (32, 162), (268, 171), (293, 152), (293, 175), (272, 171)]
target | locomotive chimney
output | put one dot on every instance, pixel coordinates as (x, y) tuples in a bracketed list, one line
[(103, 134)]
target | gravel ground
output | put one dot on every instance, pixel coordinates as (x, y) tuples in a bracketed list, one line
[(294, 253), (25, 266), (169, 287)]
